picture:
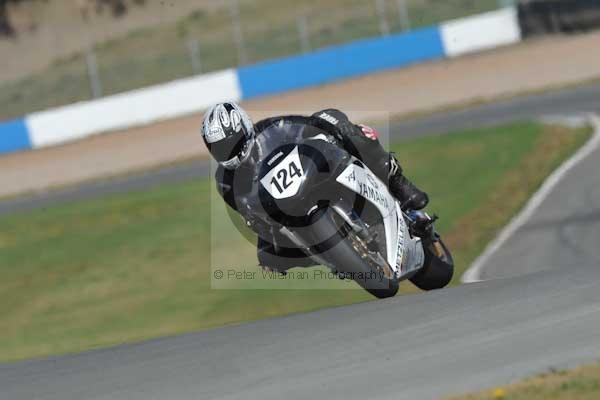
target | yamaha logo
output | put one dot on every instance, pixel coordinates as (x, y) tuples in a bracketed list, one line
[(372, 181)]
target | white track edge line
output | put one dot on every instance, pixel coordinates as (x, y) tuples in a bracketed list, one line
[(473, 274)]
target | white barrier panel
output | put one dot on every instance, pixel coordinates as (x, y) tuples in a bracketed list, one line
[(139, 107), (481, 32)]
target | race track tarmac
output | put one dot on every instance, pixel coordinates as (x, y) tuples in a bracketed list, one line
[(412, 347)]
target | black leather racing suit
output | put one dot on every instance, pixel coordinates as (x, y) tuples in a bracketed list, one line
[(274, 250)]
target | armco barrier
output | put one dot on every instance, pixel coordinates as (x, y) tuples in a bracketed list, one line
[(124, 110), (14, 136), (341, 62), (481, 32), (194, 94)]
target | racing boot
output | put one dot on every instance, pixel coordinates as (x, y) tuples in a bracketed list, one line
[(405, 191)]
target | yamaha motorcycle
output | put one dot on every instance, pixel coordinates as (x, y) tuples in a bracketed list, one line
[(341, 215)]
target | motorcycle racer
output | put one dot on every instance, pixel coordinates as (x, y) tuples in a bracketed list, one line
[(230, 136)]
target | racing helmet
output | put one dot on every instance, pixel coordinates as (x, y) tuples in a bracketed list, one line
[(228, 134)]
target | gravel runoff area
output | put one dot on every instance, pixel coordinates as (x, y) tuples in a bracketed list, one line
[(532, 65)]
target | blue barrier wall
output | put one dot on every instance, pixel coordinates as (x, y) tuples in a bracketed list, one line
[(341, 62), (14, 136), (332, 64)]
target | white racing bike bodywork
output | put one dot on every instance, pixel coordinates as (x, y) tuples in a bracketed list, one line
[(404, 253), (332, 208)]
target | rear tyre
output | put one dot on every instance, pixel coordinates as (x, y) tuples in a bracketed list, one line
[(439, 267), (341, 247)]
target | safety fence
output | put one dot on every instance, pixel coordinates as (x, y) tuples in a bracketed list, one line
[(190, 95)]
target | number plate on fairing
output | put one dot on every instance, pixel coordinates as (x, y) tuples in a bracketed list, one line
[(283, 181)]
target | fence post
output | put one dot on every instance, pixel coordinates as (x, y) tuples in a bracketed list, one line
[(93, 74), (404, 16), (303, 33), (238, 34), (384, 27), (193, 47)]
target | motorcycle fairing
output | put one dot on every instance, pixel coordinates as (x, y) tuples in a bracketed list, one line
[(358, 178)]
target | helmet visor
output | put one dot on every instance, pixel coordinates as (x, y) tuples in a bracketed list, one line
[(227, 149)]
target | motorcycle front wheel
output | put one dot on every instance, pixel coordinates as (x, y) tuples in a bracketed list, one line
[(349, 255)]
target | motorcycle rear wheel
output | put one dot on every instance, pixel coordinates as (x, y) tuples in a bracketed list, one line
[(439, 267)]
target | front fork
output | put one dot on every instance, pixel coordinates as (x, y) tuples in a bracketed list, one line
[(421, 224)]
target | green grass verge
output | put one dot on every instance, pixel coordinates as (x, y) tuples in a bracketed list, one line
[(138, 265), (582, 384), (159, 54)]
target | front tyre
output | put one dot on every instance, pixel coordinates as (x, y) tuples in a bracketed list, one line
[(439, 267), (344, 251)]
